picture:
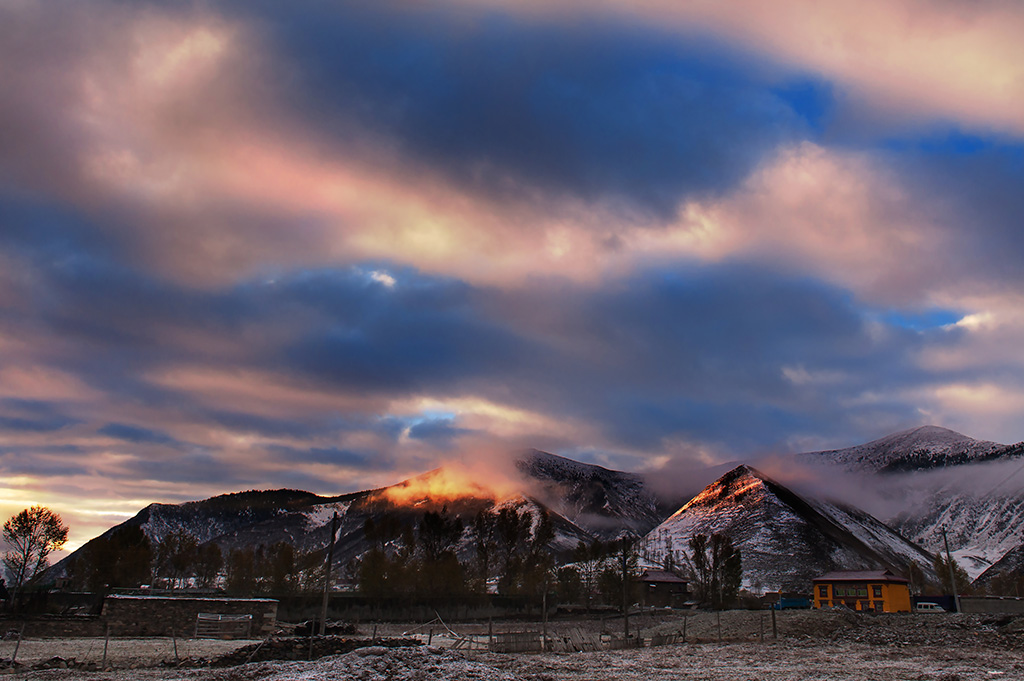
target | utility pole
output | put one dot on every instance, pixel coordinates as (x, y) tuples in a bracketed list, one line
[(327, 575), (544, 611), (952, 574), (625, 587)]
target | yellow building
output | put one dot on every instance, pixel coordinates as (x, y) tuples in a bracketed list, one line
[(872, 590)]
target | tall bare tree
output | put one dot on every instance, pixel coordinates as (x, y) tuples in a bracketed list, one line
[(31, 536), (716, 568)]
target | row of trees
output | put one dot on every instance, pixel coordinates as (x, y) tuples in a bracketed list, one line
[(127, 558), (511, 557), (510, 548)]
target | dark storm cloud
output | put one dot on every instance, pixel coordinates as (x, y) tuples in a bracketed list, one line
[(22, 463), (690, 351), (33, 416), (35, 425), (192, 467), (598, 112), (438, 432), (334, 456), (137, 434), (978, 181), (424, 333), (703, 352), (265, 426)]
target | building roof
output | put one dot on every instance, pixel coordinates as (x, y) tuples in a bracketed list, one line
[(661, 576), (861, 576), (182, 599)]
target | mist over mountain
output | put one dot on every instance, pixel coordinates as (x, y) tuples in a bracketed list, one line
[(923, 480), (785, 539), (891, 499), (918, 448), (605, 502), (584, 502)]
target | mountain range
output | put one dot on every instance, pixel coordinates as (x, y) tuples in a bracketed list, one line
[(786, 534)]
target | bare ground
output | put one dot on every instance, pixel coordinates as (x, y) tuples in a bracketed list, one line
[(811, 645)]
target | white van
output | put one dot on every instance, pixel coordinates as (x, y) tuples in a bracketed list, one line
[(928, 607)]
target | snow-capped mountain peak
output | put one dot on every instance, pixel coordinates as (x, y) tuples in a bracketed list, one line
[(785, 539), (918, 448), (603, 501)]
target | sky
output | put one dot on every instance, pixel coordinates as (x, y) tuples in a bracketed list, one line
[(329, 245)]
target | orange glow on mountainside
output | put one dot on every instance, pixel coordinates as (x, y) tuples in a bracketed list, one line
[(446, 484)]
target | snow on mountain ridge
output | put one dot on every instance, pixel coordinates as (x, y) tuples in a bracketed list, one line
[(785, 540), (605, 502), (914, 449), (981, 529)]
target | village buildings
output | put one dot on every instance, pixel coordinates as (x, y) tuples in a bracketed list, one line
[(871, 590)]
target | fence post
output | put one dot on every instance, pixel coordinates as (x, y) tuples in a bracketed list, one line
[(685, 618), (718, 614), (18, 644), (775, 628), (544, 626), (106, 642), (762, 628)]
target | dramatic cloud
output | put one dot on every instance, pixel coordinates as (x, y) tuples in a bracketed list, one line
[(917, 60), (331, 246)]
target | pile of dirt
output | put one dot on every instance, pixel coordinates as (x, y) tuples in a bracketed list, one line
[(306, 648)]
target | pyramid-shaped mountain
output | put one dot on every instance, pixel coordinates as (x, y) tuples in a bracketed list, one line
[(785, 539)]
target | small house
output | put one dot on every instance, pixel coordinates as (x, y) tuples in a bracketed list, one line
[(663, 588), (867, 591)]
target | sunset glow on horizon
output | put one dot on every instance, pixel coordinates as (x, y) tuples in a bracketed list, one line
[(329, 247)]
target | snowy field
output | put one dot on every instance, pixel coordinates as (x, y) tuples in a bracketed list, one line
[(811, 645)]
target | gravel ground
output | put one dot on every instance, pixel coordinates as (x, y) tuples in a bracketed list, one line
[(811, 645)]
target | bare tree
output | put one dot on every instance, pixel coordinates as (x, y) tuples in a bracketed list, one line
[(31, 536), (716, 568), (176, 557)]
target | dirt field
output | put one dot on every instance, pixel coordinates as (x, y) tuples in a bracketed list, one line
[(811, 645)]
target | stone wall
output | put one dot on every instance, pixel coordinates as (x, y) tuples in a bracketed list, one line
[(155, 616), (348, 607), (991, 604)]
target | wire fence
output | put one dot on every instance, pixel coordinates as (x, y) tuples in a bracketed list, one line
[(118, 653)]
